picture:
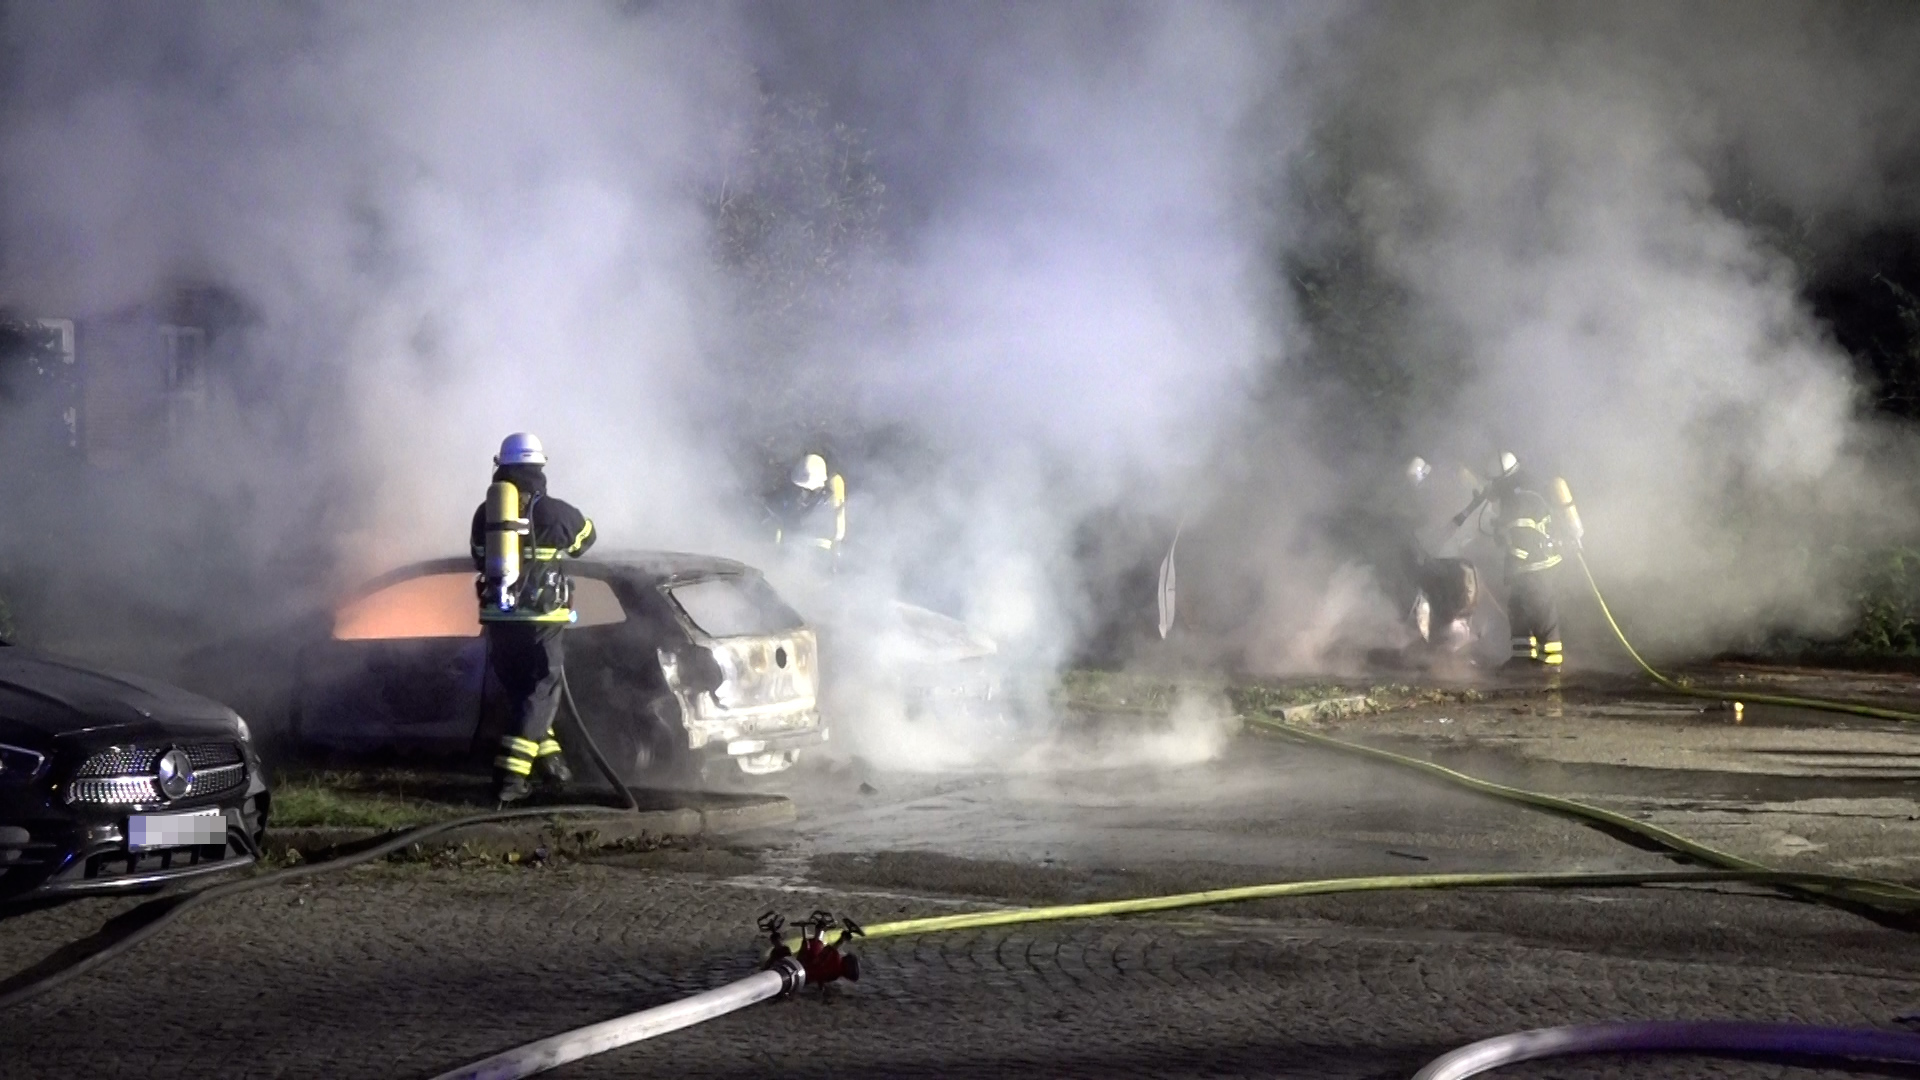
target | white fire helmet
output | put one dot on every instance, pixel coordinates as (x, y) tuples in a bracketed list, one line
[(810, 472), (1418, 470), (521, 448), (1504, 464)]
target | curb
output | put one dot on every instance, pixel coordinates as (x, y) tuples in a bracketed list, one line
[(1328, 709), (573, 832)]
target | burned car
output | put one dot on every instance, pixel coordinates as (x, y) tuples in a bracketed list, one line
[(941, 669), (112, 781), (677, 663)]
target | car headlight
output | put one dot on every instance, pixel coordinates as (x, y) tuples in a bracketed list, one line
[(19, 763), (240, 728)]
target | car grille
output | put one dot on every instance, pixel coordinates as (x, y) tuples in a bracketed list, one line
[(128, 776)]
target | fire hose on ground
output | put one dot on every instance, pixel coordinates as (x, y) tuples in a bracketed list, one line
[(1678, 687), (1859, 895), (1718, 1038), (786, 976)]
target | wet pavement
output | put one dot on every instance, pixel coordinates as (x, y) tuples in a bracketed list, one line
[(406, 970), (1800, 788)]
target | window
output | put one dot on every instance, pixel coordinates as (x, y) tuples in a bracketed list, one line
[(431, 606), (735, 606), (446, 606), (594, 602), (185, 349)]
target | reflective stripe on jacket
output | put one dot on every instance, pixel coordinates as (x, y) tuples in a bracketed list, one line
[(817, 518)]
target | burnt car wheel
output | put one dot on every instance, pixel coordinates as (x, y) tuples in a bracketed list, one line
[(648, 746)]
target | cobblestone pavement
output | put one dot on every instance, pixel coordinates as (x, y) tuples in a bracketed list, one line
[(408, 970), (394, 973)]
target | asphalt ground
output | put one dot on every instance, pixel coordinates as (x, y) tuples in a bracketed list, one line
[(407, 970)]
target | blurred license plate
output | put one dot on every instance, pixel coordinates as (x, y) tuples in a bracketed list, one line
[(176, 830)]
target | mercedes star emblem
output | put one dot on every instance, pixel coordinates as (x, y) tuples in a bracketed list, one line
[(175, 773)]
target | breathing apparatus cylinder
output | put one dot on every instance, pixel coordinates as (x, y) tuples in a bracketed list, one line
[(1563, 501), (505, 527)]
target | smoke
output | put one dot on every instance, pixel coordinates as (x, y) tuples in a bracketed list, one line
[(439, 226), (1070, 297), (1567, 211), (1045, 280)]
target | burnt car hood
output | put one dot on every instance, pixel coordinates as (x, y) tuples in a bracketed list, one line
[(50, 696)]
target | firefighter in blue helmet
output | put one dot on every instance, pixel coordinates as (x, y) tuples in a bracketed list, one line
[(520, 534), (1524, 524)]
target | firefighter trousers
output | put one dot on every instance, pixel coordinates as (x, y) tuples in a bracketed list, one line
[(527, 658), (1534, 617)]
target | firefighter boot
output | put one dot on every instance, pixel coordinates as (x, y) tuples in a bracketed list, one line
[(512, 787), (552, 764), (514, 767)]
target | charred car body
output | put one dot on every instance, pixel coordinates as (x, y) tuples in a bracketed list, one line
[(110, 781), (676, 662)]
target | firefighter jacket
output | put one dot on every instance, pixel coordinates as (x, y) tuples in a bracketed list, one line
[(813, 518), (1523, 522), (556, 530)]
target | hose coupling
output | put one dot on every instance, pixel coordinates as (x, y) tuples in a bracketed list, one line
[(793, 977)]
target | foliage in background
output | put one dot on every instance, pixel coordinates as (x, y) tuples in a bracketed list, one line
[(1889, 604)]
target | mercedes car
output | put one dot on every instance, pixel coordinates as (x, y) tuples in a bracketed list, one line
[(679, 664), (111, 781)]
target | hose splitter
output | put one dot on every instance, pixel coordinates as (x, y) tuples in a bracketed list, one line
[(819, 960)]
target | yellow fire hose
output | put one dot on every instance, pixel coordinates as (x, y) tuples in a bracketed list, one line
[(980, 920), (1678, 687), (1884, 897), (1849, 892), (518, 1062), (1853, 893)]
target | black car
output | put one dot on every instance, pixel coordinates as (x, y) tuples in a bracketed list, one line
[(112, 781), (677, 662)]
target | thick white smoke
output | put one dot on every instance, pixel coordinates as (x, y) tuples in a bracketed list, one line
[(444, 225), (1570, 198), (1073, 313), (449, 223)]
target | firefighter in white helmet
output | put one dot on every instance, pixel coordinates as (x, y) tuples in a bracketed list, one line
[(520, 534), (1523, 523), (809, 512)]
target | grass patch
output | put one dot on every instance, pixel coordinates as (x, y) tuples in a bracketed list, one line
[(1119, 691), (353, 800)]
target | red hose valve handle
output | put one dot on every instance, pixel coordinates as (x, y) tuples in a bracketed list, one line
[(825, 962)]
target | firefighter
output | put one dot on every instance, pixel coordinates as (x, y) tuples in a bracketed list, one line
[(1523, 515), (810, 512), (1443, 587), (520, 534)]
